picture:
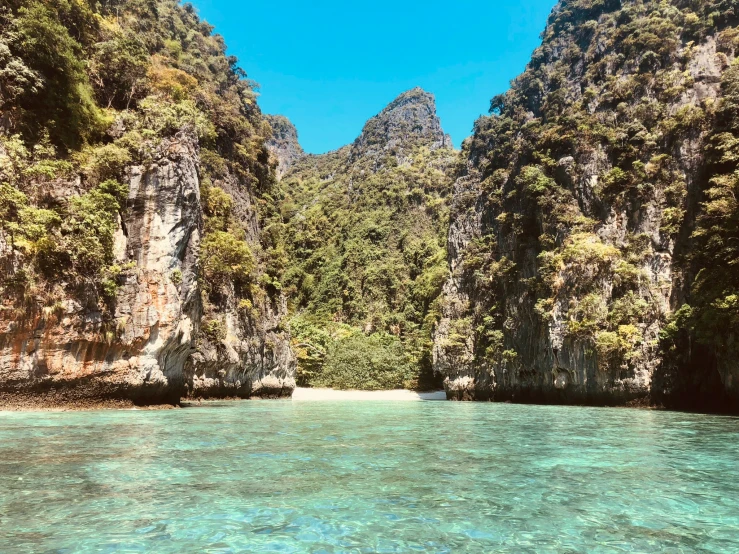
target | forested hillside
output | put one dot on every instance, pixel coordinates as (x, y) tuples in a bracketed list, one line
[(133, 166), (365, 250), (594, 234)]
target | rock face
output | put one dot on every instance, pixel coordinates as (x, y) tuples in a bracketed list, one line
[(567, 247), (408, 121), (147, 349), (284, 143), (254, 357), (140, 352)]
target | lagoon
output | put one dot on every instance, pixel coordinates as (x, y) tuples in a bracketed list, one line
[(288, 476)]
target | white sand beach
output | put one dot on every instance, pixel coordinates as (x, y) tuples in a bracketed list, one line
[(305, 394)]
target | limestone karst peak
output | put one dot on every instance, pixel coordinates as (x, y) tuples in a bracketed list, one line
[(408, 121)]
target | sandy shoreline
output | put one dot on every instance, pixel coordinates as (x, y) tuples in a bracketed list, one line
[(400, 395), (50, 403)]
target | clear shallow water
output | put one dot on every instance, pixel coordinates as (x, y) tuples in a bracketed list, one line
[(369, 477)]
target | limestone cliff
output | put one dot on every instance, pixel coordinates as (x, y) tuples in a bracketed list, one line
[(407, 122), (573, 226), (250, 354), (283, 143), (147, 347), (135, 182), (138, 349)]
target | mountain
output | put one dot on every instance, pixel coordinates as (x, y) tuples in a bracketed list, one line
[(133, 174), (406, 123), (593, 236), (364, 232)]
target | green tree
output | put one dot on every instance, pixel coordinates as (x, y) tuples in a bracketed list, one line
[(375, 362), (65, 104), (118, 70), (225, 259)]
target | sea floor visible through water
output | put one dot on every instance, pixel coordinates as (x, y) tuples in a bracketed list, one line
[(329, 477)]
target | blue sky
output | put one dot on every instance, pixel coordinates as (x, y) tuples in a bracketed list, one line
[(329, 65)]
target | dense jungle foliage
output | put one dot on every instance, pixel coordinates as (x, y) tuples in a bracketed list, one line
[(365, 238), (89, 88)]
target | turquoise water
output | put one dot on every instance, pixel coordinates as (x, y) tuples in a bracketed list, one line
[(369, 477)]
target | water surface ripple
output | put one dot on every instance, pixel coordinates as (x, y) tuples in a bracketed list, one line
[(285, 476)]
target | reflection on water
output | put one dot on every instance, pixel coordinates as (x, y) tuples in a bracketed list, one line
[(369, 477)]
